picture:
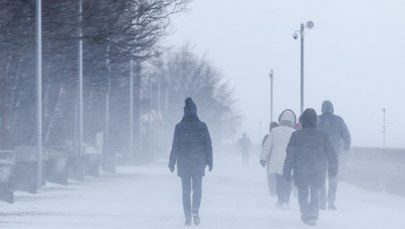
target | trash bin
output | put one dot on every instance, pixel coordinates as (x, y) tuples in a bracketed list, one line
[(58, 170)]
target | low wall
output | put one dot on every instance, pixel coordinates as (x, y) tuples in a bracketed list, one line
[(377, 169)]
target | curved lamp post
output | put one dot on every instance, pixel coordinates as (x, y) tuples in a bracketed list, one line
[(300, 33)]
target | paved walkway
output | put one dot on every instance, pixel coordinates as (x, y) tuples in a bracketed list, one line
[(148, 197)]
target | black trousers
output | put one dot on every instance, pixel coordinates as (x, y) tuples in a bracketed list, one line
[(330, 196), (308, 199), (283, 189), (192, 193)]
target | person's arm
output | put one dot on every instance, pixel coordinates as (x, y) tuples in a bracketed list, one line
[(266, 149), (331, 155), (344, 134), (208, 148), (175, 149)]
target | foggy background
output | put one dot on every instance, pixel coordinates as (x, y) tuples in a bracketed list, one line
[(354, 57), (102, 159)]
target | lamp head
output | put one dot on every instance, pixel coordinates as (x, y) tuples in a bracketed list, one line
[(310, 25)]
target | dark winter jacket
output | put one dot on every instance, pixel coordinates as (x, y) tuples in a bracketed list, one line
[(309, 152), (191, 149), (335, 127)]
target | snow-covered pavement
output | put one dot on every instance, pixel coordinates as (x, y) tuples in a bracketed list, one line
[(150, 197)]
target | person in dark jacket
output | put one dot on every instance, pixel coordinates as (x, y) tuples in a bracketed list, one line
[(309, 155), (192, 151), (335, 127)]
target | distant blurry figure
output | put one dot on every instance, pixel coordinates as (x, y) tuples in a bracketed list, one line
[(271, 179), (335, 127), (245, 145), (309, 155), (192, 151), (274, 153)]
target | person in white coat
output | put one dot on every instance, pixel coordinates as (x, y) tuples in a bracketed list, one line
[(273, 155)]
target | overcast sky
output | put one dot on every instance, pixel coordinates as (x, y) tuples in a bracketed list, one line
[(354, 56)]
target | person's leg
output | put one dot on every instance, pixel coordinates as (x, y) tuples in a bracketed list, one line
[(322, 196), (197, 194), (303, 201), (271, 180), (244, 158), (283, 189), (333, 183), (287, 190), (313, 208), (279, 189), (186, 185)]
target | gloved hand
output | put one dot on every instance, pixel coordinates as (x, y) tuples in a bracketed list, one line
[(171, 167), (210, 167), (263, 163)]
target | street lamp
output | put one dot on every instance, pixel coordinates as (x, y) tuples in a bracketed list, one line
[(38, 20), (300, 33), (271, 94)]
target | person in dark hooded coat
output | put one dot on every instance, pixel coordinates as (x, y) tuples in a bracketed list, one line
[(192, 151), (309, 155), (335, 127)]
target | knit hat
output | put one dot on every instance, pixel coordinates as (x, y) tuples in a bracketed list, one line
[(189, 106)]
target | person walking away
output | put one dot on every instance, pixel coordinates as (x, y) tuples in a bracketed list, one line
[(271, 178), (274, 153), (245, 145), (192, 152), (309, 155), (335, 127)]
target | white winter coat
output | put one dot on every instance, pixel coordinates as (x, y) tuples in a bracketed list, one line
[(274, 148)]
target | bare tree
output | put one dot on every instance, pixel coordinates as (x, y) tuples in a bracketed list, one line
[(117, 30), (186, 75)]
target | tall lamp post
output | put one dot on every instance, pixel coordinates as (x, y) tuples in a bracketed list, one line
[(38, 20), (80, 135), (271, 95), (300, 33)]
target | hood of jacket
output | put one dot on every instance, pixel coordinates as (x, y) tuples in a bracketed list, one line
[(308, 118), (327, 107), (287, 118)]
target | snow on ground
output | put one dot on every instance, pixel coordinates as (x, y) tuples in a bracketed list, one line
[(149, 197)]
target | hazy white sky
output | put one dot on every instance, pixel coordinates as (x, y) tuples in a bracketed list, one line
[(354, 56)]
